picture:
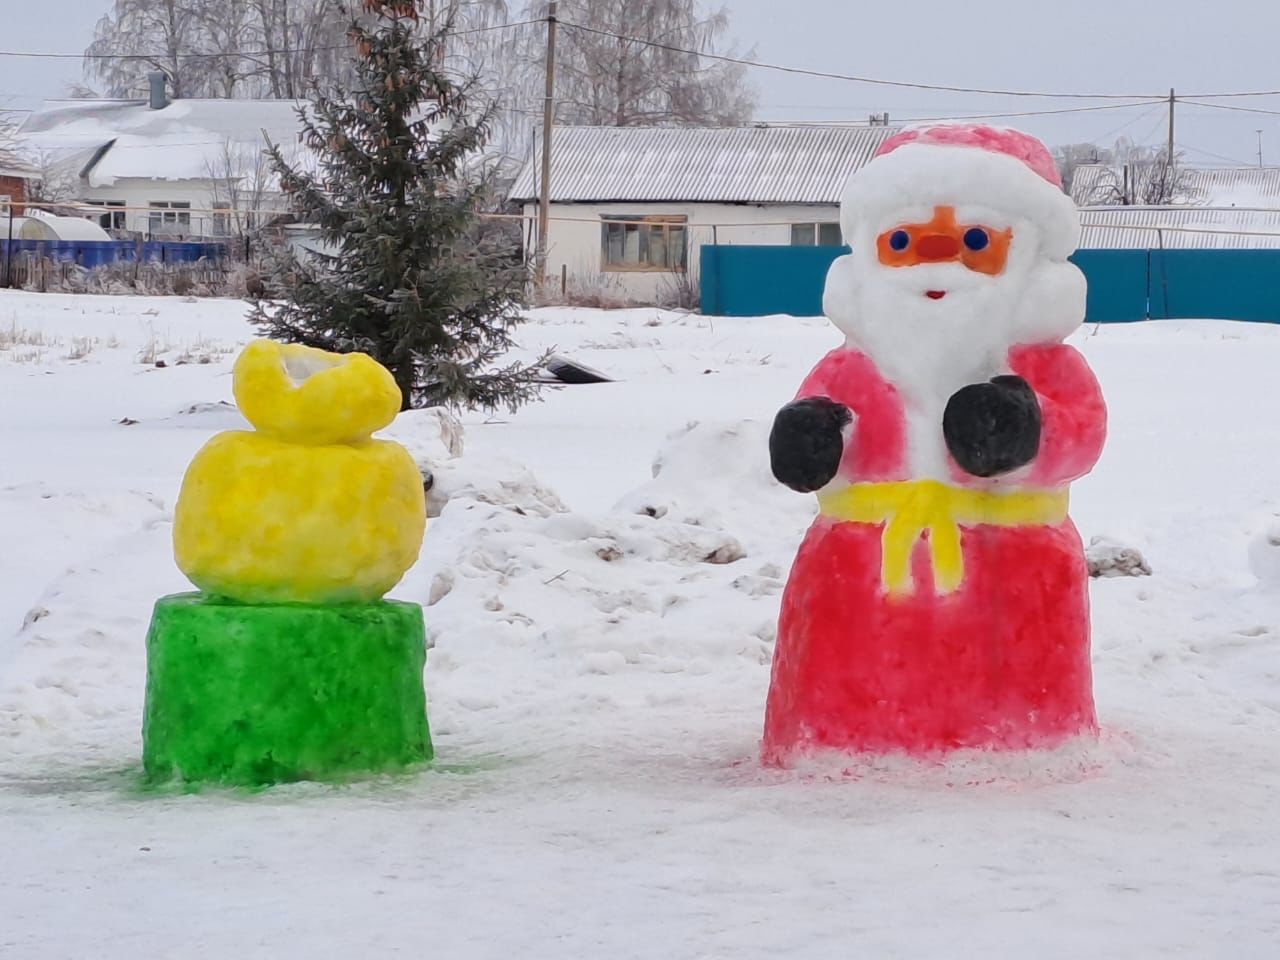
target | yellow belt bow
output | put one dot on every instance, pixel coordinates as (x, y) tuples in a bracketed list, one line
[(911, 507)]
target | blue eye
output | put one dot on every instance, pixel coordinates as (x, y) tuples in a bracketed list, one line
[(899, 240), (976, 239)]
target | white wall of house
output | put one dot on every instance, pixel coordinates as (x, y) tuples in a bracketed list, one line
[(201, 197), (575, 247)]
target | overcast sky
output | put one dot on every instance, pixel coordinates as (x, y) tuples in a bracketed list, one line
[(1087, 46)]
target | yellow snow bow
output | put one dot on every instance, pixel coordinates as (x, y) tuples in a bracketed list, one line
[(910, 508), (308, 508)]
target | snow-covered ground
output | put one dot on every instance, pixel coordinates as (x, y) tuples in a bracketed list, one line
[(597, 682)]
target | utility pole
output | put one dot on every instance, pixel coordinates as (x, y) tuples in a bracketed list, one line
[(1172, 100), (548, 117), (1259, 148)]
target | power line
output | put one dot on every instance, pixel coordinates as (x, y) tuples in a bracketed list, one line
[(1150, 133), (975, 116), (1124, 126), (1216, 156), (851, 78), (1243, 93), (742, 61), (724, 58), (1227, 106), (875, 81)]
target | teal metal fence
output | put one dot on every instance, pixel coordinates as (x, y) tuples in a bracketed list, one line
[(756, 281), (1124, 285)]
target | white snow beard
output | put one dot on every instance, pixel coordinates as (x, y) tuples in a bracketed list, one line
[(930, 348)]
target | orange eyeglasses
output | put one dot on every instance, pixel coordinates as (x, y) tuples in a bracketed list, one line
[(943, 240)]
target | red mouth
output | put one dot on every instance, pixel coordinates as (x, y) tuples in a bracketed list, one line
[(935, 294)]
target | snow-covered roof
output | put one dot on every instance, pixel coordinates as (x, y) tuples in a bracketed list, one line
[(41, 226), (110, 140), (1096, 184), (808, 164), (47, 227), (12, 165), (1179, 228)]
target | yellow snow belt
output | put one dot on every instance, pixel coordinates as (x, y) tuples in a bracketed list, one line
[(910, 508)]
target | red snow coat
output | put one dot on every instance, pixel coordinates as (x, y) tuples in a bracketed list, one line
[(923, 616)]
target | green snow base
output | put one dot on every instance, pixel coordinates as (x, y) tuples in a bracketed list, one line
[(252, 695)]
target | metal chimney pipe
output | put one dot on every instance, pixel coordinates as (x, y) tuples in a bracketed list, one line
[(159, 99)]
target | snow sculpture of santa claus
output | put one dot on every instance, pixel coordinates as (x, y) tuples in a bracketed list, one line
[(939, 601)]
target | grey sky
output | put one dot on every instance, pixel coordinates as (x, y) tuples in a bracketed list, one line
[(1094, 46)]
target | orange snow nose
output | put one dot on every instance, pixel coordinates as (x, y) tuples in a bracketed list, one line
[(943, 240), (933, 247)]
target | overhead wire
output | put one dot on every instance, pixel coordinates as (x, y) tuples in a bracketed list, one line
[(1128, 123), (725, 58), (971, 116), (1150, 133), (1132, 100), (1227, 106), (1210, 153), (1234, 94), (853, 78)]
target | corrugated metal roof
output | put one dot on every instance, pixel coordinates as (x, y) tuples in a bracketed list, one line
[(808, 164), (1179, 228), (1100, 185)]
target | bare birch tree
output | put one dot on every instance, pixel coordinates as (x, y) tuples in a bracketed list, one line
[(626, 64), (621, 63), (138, 36), (241, 177)]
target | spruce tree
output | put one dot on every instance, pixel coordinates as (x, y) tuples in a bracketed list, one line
[(414, 277)]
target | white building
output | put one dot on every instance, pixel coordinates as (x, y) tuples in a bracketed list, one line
[(182, 168), (632, 206), (1217, 208)]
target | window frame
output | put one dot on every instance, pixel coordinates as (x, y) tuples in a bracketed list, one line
[(833, 225), (222, 218), (113, 212), (815, 229), (168, 213), (665, 224)]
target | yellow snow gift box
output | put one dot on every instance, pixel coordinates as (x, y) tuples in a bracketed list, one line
[(309, 508)]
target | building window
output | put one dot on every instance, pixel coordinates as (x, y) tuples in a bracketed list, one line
[(115, 220), (169, 217), (655, 244), (221, 218), (816, 234)]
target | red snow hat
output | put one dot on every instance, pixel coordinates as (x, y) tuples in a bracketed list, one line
[(963, 164)]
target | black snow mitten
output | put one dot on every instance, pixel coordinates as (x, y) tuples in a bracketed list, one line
[(992, 428), (807, 442)]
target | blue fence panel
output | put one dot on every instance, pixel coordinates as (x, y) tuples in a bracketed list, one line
[(1117, 284), (756, 281), (1229, 284), (1124, 285), (97, 253)]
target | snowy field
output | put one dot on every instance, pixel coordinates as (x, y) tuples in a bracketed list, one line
[(602, 639)]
